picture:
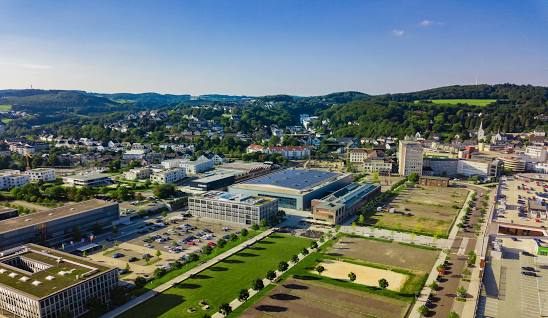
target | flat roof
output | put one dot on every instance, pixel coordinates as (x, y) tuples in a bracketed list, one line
[(214, 177), (57, 275), (40, 217), (237, 198), (89, 176), (296, 179)]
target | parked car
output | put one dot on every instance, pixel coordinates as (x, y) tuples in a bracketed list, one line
[(133, 259), (117, 255)]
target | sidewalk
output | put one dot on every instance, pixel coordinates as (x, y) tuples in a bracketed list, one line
[(161, 288)]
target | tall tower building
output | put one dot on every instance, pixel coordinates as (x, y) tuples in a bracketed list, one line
[(481, 132), (410, 157)]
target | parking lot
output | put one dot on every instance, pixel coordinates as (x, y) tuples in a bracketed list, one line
[(160, 241), (512, 207)]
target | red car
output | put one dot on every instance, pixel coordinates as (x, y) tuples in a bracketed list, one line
[(211, 244)]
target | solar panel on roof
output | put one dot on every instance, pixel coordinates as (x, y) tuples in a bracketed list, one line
[(294, 179)]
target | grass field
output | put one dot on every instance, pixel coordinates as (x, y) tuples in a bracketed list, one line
[(304, 293), (471, 102), (222, 282), (5, 107), (385, 252), (422, 210)]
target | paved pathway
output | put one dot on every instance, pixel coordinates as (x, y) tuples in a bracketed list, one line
[(153, 292)]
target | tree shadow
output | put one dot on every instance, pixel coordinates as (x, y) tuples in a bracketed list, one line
[(306, 277), (281, 296), (218, 269), (231, 261), (257, 248), (188, 286), (244, 254), (295, 286), (268, 308), (335, 254), (265, 242), (201, 276)]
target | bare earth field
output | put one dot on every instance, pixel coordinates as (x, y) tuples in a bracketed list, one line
[(300, 299), (388, 253), (365, 275), (432, 210)]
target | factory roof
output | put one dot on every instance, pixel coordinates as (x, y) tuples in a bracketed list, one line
[(296, 179)]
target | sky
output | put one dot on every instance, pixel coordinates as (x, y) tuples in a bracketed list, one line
[(264, 47)]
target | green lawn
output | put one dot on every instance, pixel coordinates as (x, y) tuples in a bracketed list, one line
[(223, 281), (5, 107), (471, 102)]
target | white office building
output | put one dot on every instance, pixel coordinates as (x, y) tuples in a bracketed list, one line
[(12, 178), (41, 174), (138, 174), (536, 153), (168, 176)]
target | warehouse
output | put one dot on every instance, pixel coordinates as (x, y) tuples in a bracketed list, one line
[(53, 226), (294, 188), (37, 282)]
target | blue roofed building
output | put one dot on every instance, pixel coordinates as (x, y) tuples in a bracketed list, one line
[(294, 188)]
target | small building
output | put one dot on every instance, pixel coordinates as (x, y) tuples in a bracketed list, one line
[(341, 204), (230, 207), (434, 181), (39, 282), (537, 209), (134, 154), (213, 182), (88, 180), (197, 166), (41, 174)]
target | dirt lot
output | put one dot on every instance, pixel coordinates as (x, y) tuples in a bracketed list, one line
[(391, 254), (299, 298), (365, 275), (428, 210)]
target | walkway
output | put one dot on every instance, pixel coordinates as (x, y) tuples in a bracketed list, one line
[(161, 288)]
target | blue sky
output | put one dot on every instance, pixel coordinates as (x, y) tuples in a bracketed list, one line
[(264, 47)]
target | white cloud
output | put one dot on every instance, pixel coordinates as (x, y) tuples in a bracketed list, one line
[(398, 32), (426, 23), (35, 66)]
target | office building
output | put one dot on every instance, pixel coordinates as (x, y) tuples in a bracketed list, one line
[(294, 188), (12, 178), (41, 174), (341, 204), (39, 282), (410, 158), (88, 180), (536, 153), (358, 155), (238, 208), (289, 152), (197, 166), (168, 176), (53, 226)]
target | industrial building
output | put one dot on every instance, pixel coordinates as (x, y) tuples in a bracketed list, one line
[(341, 204), (7, 213), (294, 188), (213, 182), (39, 282), (56, 225), (236, 208)]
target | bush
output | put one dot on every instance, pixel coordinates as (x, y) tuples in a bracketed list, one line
[(140, 281), (244, 232)]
